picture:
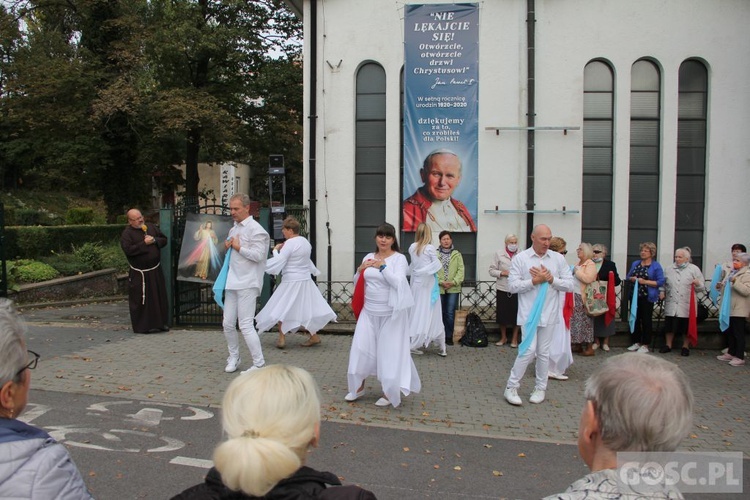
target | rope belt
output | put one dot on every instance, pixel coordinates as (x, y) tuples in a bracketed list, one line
[(143, 280)]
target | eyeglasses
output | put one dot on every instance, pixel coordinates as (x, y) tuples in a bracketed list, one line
[(597, 251), (32, 364)]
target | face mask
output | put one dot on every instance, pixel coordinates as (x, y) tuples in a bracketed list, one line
[(512, 248), (737, 265), (597, 259), (682, 266)]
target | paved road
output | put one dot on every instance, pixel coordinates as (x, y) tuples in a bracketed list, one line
[(90, 350)]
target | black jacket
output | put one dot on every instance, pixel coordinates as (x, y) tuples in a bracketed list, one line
[(305, 484)]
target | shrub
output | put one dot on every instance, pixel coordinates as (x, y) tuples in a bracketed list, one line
[(79, 216), (30, 271), (28, 217), (91, 255), (67, 264)]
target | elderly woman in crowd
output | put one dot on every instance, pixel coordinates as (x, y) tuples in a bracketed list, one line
[(650, 277), (507, 303), (581, 324), (32, 464), (680, 277), (604, 266), (739, 281), (271, 418)]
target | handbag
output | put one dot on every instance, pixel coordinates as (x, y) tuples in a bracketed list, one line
[(459, 324), (595, 298)]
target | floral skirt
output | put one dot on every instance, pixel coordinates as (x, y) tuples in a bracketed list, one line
[(581, 325)]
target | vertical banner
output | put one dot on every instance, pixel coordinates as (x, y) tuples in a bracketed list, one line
[(227, 183), (441, 86)]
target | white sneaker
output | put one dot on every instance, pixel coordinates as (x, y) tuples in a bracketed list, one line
[(725, 357), (537, 396), (643, 348), (442, 353), (605, 347), (511, 396), (232, 364), (382, 402), (417, 352), (634, 347), (251, 369), (557, 377), (594, 346)]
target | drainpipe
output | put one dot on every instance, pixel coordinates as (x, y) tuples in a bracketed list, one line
[(312, 138), (530, 114)]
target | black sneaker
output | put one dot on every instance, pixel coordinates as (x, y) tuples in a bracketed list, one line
[(449, 342), (685, 352), (665, 348)]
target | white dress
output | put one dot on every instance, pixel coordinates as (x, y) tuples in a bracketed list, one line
[(296, 302), (426, 324), (380, 346), (560, 355)]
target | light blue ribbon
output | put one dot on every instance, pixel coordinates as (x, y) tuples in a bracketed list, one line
[(435, 295), (532, 323), (221, 280), (633, 307), (726, 303), (713, 293)]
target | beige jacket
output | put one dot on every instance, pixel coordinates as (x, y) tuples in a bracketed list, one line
[(740, 305), (585, 274)]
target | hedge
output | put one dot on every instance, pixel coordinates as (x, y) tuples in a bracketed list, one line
[(31, 242)]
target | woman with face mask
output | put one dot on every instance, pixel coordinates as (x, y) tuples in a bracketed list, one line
[(507, 303), (604, 266), (680, 278), (739, 281)]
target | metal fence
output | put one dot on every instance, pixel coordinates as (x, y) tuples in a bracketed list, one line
[(480, 297)]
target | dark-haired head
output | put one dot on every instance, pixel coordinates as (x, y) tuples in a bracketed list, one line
[(740, 247), (443, 233), (388, 230)]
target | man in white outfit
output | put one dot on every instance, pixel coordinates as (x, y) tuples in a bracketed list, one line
[(528, 270), (247, 264)]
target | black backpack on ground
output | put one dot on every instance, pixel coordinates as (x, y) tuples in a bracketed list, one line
[(475, 334)]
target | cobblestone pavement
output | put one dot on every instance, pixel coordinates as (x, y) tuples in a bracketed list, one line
[(90, 349)]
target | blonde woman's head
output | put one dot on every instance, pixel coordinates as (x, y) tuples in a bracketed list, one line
[(271, 417)]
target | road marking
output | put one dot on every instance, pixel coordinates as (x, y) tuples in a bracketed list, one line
[(33, 411), (192, 462)]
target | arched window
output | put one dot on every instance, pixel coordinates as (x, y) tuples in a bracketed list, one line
[(598, 110), (369, 161), (691, 158), (645, 125)]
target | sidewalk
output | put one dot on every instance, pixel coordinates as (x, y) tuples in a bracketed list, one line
[(96, 353)]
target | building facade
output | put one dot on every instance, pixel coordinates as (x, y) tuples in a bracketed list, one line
[(638, 128)]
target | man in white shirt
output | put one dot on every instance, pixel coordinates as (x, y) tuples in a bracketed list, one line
[(247, 264), (528, 270)]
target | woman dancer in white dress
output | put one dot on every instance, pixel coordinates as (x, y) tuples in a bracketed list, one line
[(380, 346), (426, 323), (296, 303)]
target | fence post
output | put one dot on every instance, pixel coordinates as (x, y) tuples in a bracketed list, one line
[(165, 224)]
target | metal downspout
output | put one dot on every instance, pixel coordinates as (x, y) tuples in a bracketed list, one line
[(313, 116), (530, 114)]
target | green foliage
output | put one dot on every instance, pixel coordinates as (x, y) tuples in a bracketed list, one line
[(35, 241), (76, 216), (30, 271), (28, 217), (90, 254)]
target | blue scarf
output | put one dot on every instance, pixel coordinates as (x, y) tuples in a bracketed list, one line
[(531, 325), (726, 304), (633, 307), (221, 280), (713, 293)]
